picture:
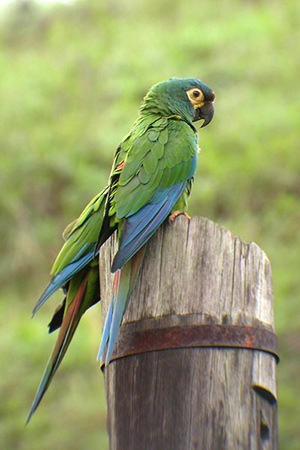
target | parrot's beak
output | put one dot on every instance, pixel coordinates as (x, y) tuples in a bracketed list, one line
[(206, 112)]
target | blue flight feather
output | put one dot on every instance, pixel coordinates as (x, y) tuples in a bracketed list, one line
[(142, 225), (63, 277)]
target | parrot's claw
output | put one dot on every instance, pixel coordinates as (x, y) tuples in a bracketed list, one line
[(175, 214)]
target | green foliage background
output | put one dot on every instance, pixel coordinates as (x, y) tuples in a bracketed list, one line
[(72, 78)]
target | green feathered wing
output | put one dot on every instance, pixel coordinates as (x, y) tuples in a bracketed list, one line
[(151, 175)]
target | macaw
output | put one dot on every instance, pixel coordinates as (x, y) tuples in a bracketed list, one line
[(150, 180)]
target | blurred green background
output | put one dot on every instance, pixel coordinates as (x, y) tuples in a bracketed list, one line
[(72, 77)]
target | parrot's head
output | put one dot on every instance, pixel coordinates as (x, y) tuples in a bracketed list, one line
[(187, 97)]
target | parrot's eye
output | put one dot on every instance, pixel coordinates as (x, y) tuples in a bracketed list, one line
[(196, 93), (196, 96)]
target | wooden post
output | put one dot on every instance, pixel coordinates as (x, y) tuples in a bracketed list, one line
[(206, 296)]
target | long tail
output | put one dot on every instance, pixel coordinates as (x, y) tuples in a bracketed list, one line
[(83, 292), (123, 285)]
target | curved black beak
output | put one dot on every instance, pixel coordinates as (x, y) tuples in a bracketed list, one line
[(206, 112)]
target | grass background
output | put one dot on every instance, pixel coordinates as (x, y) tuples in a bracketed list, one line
[(72, 78)]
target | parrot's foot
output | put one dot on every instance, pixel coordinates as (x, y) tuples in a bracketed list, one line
[(175, 214)]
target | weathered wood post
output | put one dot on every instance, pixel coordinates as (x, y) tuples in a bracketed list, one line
[(196, 358)]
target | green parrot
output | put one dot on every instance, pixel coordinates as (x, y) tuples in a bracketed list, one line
[(150, 181)]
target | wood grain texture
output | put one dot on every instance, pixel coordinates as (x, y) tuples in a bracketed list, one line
[(196, 398)]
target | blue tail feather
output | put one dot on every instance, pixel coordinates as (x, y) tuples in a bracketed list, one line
[(124, 283), (106, 330), (117, 307), (116, 320)]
